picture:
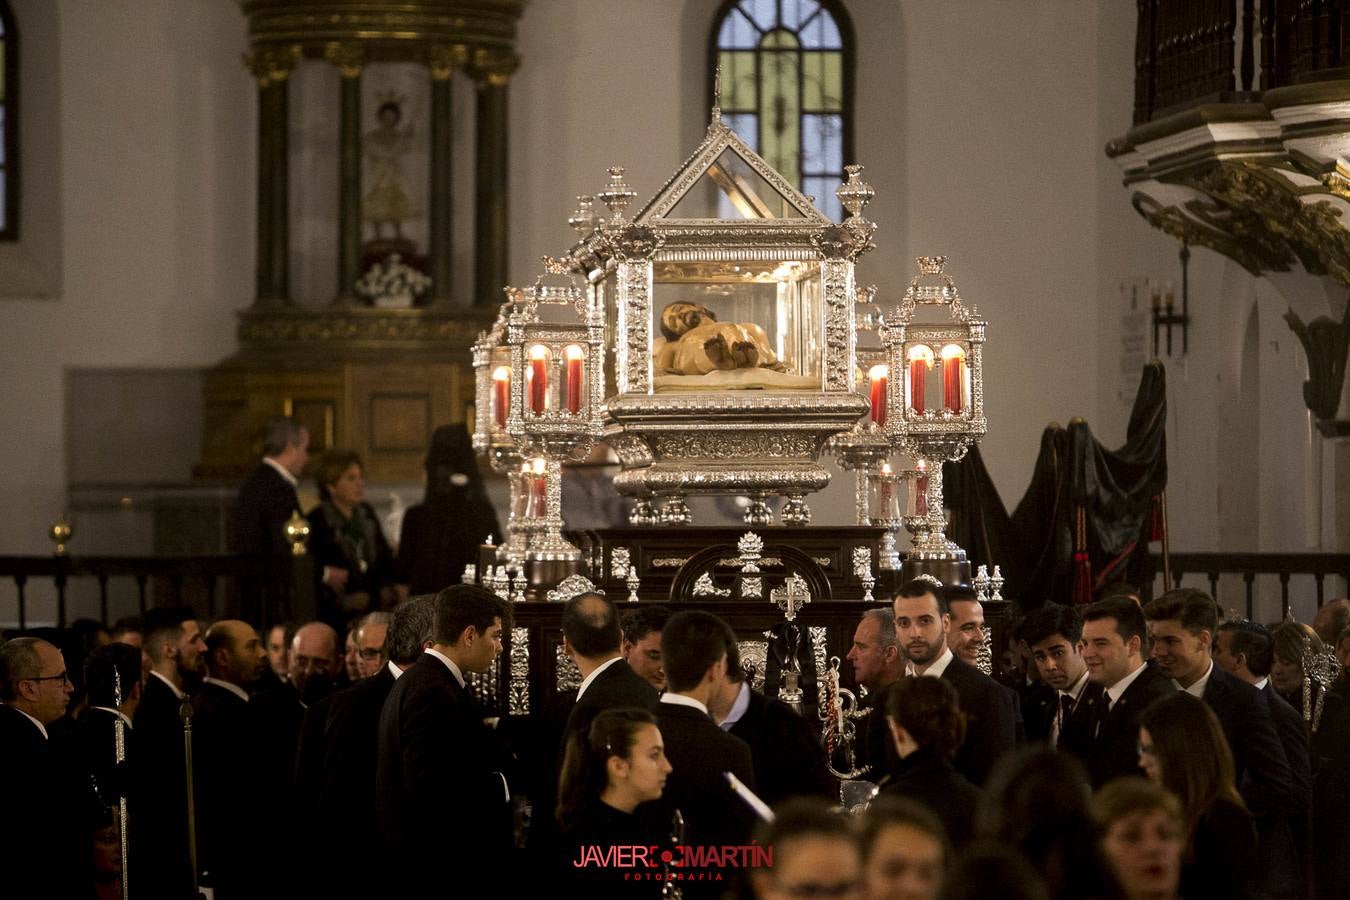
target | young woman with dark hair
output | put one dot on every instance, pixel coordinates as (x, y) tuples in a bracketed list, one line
[(928, 727), (1183, 748), (608, 771)]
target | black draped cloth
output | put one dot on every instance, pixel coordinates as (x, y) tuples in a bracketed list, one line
[(1087, 516)]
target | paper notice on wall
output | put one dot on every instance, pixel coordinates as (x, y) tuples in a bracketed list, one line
[(1133, 339)]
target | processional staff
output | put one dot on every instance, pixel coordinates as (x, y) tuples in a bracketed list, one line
[(120, 754), (185, 714)]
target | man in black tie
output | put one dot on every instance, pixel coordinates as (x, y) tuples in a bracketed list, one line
[(593, 640), (173, 642), (877, 664), (46, 831), (786, 752), (921, 623), (1053, 633), (694, 651), (230, 765), (266, 500), (1182, 624), (1113, 641), (92, 743), (335, 764), (442, 805)]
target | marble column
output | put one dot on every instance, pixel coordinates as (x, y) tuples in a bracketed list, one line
[(272, 67), (492, 70), (348, 58), (441, 60)]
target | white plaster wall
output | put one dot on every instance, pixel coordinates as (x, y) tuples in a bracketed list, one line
[(155, 195), (984, 142)]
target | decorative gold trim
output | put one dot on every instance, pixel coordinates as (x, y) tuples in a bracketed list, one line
[(348, 57), (443, 59), (271, 64)]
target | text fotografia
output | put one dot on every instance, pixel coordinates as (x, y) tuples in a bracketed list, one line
[(642, 857)]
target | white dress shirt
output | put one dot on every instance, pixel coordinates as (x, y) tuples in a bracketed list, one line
[(936, 668), (117, 712), (682, 700), (281, 470), (1114, 691), (177, 691), (449, 663), (394, 669), (232, 688), (1197, 689), (594, 672), (738, 708)]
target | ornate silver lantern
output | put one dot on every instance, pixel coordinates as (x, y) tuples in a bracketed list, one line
[(554, 335), (492, 406), (732, 303), (865, 448), (936, 408)]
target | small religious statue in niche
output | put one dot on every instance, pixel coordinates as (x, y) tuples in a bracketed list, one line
[(694, 343), (387, 204)]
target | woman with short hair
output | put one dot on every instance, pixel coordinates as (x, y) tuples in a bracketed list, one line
[(1142, 834), (352, 557)]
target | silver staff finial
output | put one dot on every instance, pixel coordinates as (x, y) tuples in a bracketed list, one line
[(717, 93)]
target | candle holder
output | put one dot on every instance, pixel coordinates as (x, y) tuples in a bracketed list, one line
[(492, 402), (934, 416), (864, 448), (887, 494), (554, 338)]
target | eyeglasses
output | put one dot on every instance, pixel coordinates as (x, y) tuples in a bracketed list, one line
[(63, 678), (369, 652)]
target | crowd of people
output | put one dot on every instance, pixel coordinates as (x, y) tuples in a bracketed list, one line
[(1126, 750), (1145, 752)]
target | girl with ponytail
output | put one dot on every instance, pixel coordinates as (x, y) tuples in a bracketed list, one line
[(608, 771), (928, 727)]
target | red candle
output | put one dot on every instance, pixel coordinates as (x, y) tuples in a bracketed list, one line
[(501, 394), (953, 362), (574, 362), (537, 377), (920, 358), (921, 490), (884, 482), (878, 376)]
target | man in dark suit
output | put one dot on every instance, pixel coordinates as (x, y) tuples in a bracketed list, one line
[(642, 641), (786, 752), (1053, 633), (921, 624), (91, 745), (235, 844), (336, 760), (1113, 641), (442, 805), (173, 642), (1245, 649), (694, 652), (46, 832), (593, 640), (877, 665), (266, 501), (1182, 624)]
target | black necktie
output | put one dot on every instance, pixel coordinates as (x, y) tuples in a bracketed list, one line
[(1065, 710)]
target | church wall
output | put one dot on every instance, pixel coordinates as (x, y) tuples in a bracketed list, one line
[(984, 144), (1243, 472), (154, 195)]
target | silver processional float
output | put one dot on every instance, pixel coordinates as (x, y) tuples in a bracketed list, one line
[(717, 341)]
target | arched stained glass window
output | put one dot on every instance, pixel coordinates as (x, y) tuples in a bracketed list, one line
[(787, 87), (9, 121)]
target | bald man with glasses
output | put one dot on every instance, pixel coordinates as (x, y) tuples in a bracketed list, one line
[(47, 831)]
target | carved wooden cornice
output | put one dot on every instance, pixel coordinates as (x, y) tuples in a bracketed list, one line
[(391, 29)]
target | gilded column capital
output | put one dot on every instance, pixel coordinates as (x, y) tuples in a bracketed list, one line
[(492, 67), (443, 59), (271, 63), (348, 57)]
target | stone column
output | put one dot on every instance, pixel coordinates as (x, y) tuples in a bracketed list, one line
[(349, 59), (441, 60), (492, 69), (272, 67)]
